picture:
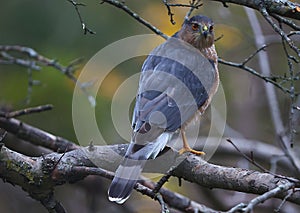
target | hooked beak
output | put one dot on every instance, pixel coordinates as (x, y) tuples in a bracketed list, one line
[(204, 31)]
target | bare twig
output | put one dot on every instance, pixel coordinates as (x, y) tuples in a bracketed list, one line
[(35, 61), (219, 38), (146, 191), (191, 5), (36, 58), (266, 196), (254, 54), (7, 59), (284, 200), (162, 181), (31, 83), (195, 4), (286, 21), (277, 29), (251, 160), (169, 11), (291, 72), (255, 73), (133, 14), (83, 25), (26, 111)]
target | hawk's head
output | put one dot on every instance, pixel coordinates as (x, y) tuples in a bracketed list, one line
[(198, 31)]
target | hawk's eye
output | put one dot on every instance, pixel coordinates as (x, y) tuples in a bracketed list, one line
[(211, 28), (195, 27)]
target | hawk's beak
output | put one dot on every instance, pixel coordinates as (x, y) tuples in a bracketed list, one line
[(205, 31)]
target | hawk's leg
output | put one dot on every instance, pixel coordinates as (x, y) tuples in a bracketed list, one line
[(186, 147)]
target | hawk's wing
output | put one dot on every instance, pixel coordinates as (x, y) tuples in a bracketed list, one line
[(175, 81)]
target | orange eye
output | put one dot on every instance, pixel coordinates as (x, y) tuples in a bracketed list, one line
[(195, 27)]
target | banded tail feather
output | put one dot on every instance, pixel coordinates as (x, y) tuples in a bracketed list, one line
[(128, 173)]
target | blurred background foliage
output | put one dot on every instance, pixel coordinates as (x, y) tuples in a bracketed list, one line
[(52, 28)]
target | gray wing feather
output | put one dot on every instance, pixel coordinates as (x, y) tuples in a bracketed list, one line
[(175, 81)]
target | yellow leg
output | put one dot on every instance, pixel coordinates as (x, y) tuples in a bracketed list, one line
[(186, 147)]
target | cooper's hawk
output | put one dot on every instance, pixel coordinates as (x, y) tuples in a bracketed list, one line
[(178, 80)]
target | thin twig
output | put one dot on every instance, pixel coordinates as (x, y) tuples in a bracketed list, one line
[(254, 54), (26, 111), (255, 73), (290, 58), (283, 201), (219, 38), (195, 4), (162, 181), (252, 161), (164, 208), (242, 207), (36, 58), (35, 61), (7, 59), (156, 196), (82, 170), (133, 14), (277, 29), (169, 11), (267, 195), (83, 25), (286, 21)]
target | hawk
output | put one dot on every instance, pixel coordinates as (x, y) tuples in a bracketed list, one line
[(177, 82)]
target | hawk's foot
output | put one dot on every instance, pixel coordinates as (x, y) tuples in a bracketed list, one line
[(189, 149)]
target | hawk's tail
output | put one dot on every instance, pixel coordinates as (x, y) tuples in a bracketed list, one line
[(125, 178), (128, 173)]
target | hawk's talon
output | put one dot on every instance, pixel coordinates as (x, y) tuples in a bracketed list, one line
[(188, 149)]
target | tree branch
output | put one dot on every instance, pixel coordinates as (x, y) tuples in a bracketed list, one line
[(36, 136), (284, 8), (39, 175), (205, 174)]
